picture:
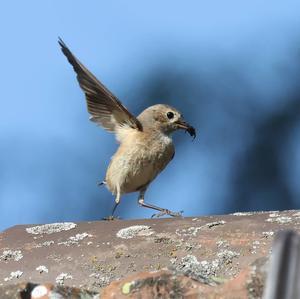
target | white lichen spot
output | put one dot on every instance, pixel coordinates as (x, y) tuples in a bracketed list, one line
[(243, 213), (17, 274), (74, 240), (268, 234), (280, 220), (226, 256), (42, 269), (79, 237), (60, 279), (193, 230), (189, 263), (209, 268), (99, 279), (296, 215), (274, 212), (44, 244), (50, 228), (190, 266), (222, 243), (134, 231), (255, 245), (204, 270), (272, 215), (215, 223), (39, 291), (8, 255)]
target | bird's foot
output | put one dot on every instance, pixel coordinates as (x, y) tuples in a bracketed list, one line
[(167, 212), (110, 218)]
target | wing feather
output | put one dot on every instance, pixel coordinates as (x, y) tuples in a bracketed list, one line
[(104, 107)]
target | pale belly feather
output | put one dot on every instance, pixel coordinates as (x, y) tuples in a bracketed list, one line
[(136, 164)]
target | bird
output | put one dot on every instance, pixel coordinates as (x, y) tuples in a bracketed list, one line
[(145, 142)]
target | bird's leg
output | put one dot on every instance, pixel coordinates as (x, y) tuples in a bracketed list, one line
[(115, 207), (162, 211), (117, 201)]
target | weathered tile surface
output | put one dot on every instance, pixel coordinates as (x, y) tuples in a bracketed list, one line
[(90, 255)]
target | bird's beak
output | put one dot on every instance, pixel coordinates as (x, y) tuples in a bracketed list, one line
[(181, 124)]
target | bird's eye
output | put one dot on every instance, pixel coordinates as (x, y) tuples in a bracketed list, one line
[(170, 115)]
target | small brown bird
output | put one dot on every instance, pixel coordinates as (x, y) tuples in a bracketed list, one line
[(145, 143)]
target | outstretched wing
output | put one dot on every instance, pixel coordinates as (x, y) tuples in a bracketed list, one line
[(105, 108)]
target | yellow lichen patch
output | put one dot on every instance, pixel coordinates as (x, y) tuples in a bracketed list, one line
[(126, 288)]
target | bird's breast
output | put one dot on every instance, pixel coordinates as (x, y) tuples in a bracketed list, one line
[(138, 161)]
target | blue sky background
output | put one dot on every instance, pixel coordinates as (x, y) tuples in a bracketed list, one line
[(232, 68)]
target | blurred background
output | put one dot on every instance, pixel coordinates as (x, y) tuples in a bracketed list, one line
[(231, 67)]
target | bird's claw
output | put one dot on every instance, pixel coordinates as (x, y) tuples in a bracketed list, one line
[(167, 212), (110, 218)]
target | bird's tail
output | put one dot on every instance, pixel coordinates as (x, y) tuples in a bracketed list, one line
[(101, 183)]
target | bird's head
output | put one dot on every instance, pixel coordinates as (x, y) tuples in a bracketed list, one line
[(165, 118)]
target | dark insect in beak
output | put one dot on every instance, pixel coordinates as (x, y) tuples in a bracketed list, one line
[(191, 131), (185, 126)]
